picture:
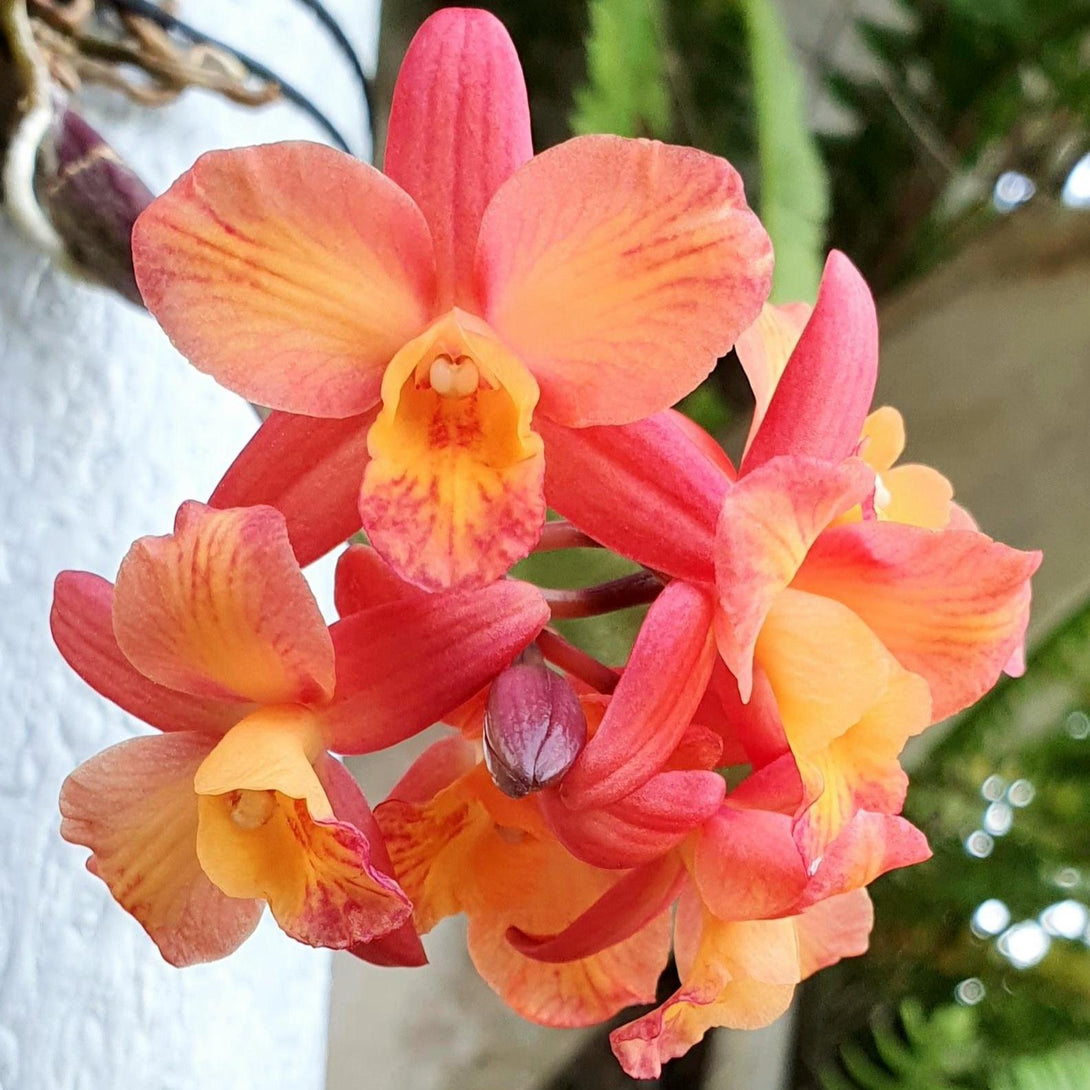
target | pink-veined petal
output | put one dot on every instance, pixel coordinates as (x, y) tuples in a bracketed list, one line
[(626, 908), (645, 490), (619, 271), (823, 396), (654, 702), (289, 272), (767, 523), (950, 605), (403, 665), (133, 805), (83, 629), (640, 827), (459, 127), (399, 947), (220, 608), (310, 470)]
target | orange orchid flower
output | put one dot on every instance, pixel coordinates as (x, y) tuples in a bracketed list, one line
[(212, 635), (862, 610), (413, 328)]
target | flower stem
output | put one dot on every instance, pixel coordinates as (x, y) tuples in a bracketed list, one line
[(563, 535), (577, 662), (630, 590)]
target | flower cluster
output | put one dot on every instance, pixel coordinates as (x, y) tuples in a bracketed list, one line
[(448, 346)]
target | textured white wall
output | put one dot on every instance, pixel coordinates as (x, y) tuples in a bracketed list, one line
[(103, 431)]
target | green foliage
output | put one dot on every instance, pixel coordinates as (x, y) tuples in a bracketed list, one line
[(915, 1052), (626, 91), (794, 189), (1065, 1069)]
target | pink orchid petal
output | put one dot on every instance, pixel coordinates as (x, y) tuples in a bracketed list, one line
[(640, 827), (133, 805), (220, 608), (402, 946), (83, 629), (310, 470), (626, 908), (435, 770), (654, 702), (950, 605), (645, 490), (403, 665), (459, 127), (619, 271), (823, 397), (747, 866), (869, 846), (291, 273), (365, 580), (768, 522), (708, 445), (764, 349)]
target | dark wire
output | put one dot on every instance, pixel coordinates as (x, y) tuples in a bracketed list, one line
[(323, 15), (169, 23)]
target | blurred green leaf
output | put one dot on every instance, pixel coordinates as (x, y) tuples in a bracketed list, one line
[(1065, 1069), (794, 189), (626, 91)]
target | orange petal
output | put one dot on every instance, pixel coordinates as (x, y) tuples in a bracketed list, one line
[(883, 438), (836, 928), (951, 605), (764, 349), (619, 271), (267, 829), (133, 805), (454, 493), (291, 273), (825, 666), (81, 622), (917, 495), (740, 975), (767, 523), (220, 608)]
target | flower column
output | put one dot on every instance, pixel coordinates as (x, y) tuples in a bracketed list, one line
[(103, 429)]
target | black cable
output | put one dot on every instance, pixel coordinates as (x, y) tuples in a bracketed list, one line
[(325, 17), (169, 23)]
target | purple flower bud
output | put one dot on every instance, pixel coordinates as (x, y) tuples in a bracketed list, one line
[(92, 198), (534, 726)]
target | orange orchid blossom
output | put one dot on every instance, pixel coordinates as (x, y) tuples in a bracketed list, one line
[(852, 604), (420, 322), (569, 910), (212, 635)]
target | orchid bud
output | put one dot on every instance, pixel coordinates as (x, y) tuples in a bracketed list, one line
[(534, 726), (92, 198)]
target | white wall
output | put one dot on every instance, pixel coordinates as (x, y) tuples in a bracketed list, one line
[(103, 431)]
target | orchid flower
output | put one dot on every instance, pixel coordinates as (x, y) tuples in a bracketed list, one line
[(212, 635), (820, 595), (414, 328)]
